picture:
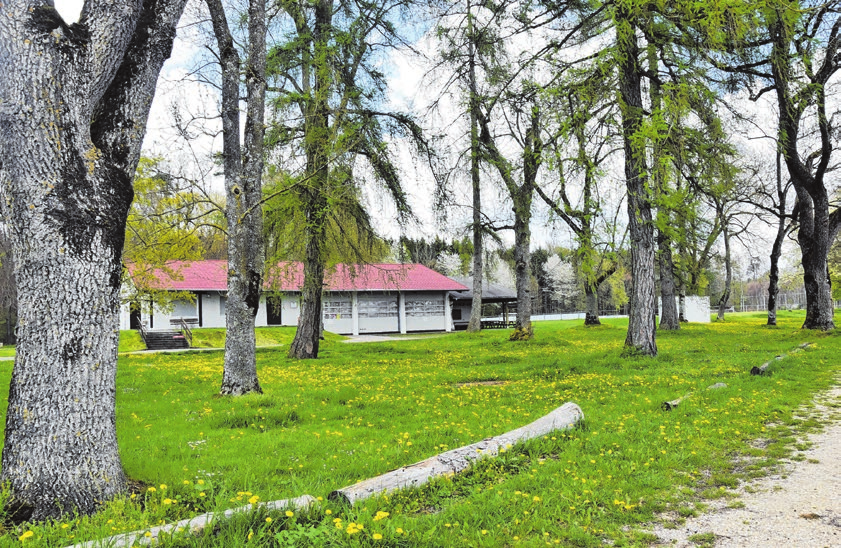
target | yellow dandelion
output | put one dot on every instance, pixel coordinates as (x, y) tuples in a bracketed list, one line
[(289, 513), (26, 535), (377, 536)]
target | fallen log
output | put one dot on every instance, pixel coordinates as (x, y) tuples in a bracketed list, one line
[(669, 405), (763, 369), (147, 537), (457, 460)]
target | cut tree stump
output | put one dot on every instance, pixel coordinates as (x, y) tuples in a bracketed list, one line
[(458, 460)]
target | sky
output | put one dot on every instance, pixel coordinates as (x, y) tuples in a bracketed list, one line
[(69, 9), (178, 90)]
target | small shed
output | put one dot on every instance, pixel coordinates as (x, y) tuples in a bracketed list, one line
[(491, 294)]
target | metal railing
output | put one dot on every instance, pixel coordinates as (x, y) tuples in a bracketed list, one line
[(186, 331)]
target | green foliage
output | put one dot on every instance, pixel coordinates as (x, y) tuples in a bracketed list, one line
[(163, 227), (364, 409), (349, 236)]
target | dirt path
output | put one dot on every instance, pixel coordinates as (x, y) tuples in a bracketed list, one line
[(800, 506)]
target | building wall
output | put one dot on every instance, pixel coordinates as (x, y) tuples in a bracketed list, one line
[(378, 312), (697, 308), (290, 309), (426, 311), (338, 313), (344, 313)]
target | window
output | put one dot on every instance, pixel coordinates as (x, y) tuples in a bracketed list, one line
[(369, 308), (337, 310), (425, 308)]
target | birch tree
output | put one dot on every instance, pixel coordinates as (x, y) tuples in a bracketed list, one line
[(74, 101)]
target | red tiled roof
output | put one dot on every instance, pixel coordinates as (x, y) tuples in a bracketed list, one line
[(212, 276)]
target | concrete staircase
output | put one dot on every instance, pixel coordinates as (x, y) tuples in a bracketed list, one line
[(165, 340)]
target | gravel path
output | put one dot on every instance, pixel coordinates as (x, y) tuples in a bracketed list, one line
[(800, 506)]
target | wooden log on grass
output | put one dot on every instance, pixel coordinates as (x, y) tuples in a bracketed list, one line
[(457, 460), (194, 526), (669, 405), (763, 369)]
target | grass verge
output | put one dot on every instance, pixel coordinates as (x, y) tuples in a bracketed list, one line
[(361, 410)]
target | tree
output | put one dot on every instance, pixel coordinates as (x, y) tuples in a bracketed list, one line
[(160, 230), (586, 125), (521, 194), (641, 337), (804, 57), (327, 109), (75, 100), (794, 54), (243, 166)]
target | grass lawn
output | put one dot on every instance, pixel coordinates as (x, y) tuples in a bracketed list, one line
[(363, 409)]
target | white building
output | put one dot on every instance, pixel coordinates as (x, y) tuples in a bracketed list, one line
[(376, 298)]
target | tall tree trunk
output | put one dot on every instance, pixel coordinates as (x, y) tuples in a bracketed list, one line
[(682, 302), (243, 175), (522, 271), (728, 272), (71, 124), (814, 239), (641, 337), (475, 323), (591, 293), (522, 198), (668, 307), (307, 337), (669, 318), (777, 247)]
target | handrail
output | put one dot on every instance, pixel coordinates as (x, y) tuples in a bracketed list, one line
[(142, 332), (186, 331)]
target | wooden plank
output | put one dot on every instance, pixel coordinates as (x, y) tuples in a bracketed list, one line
[(457, 460)]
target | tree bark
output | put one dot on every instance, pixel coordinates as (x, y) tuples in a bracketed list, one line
[(777, 248), (668, 307), (475, 322), (73, 108), (728, 271), (591, 316), (669, 318), (522, 198), (316, 144), (682, 302), (243, 174), (641, 337)]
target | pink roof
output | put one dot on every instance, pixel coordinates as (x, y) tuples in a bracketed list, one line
[(289, 276)]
